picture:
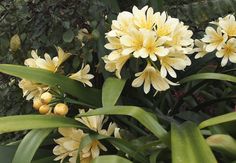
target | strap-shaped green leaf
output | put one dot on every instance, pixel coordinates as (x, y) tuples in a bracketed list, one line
[(215, 76), (138, 113), (188, 145), (111, 91), (110, 159), (87, 95), (25, 122), (218, 120), (29, 145)]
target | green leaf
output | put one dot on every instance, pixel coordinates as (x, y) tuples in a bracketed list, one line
[(86, 95), (215, 76), (218, 120), (46, 160), (138, 113), (25, 122), (111, 91), (223, 143), (7, 153), (29, 145), (68, 36), (188, 145), (110, 159)]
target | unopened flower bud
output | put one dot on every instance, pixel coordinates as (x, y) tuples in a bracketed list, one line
[(46, 97), (61, 109), (37, 103), (15, 43), (44, 109)]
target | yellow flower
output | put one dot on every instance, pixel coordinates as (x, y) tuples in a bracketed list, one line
[(47, 63), (200, 49), (174, 60), (228, 52), (165, 24), (68, 145), (181, 38), (150, 76), (83, 76), (214, 39), (115, 65), (228, 24), (115, 46), (31, 89), (121, 25), (144, 18), (133, 43)]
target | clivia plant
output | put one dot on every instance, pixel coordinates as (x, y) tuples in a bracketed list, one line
[(160, 122)]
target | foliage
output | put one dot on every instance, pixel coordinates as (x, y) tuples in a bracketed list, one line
[(170, 126)]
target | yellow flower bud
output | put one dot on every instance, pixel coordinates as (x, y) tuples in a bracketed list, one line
[(44, 109), (37, 103), (15, 43), (46, 97), (61, 109)]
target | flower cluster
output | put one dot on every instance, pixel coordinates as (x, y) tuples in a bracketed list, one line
[(221, 39), (35, 91), (69, 144), (162, 41)]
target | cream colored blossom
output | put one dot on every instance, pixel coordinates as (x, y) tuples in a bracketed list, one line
[(228, 24), (200, 49), (215, 39), (151, 76), (69, 144), (175, 60), (144, 18), (83, 75), (115, 65), (165, 25), (48, 63), (228, 52), (121, 25), (31, 89), (116, 47)]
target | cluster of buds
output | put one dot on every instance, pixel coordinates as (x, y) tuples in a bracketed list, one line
[(42, 104)]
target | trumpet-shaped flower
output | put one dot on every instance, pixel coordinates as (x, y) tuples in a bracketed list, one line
[(31, 89), (228, 52), (214, 39), (150, 76), (200, 49), (174, 60), (121, 25), (83, 76), (165, 25), (228, 24), (116, 47), (69, 144), (48, 63), (115, 65), (144, 18)]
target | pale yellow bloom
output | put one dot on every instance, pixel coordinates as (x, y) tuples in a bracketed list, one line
[(68, 145), (48, 63), (144, 18), (181, 38), (132, 42), (200, 49), (228, 52), (83, 75), (174, 60), (31, 89), (214, 39), (151, 76), (116, 47), (115, 65), (228, 24), (121, 25), (165, 24)]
